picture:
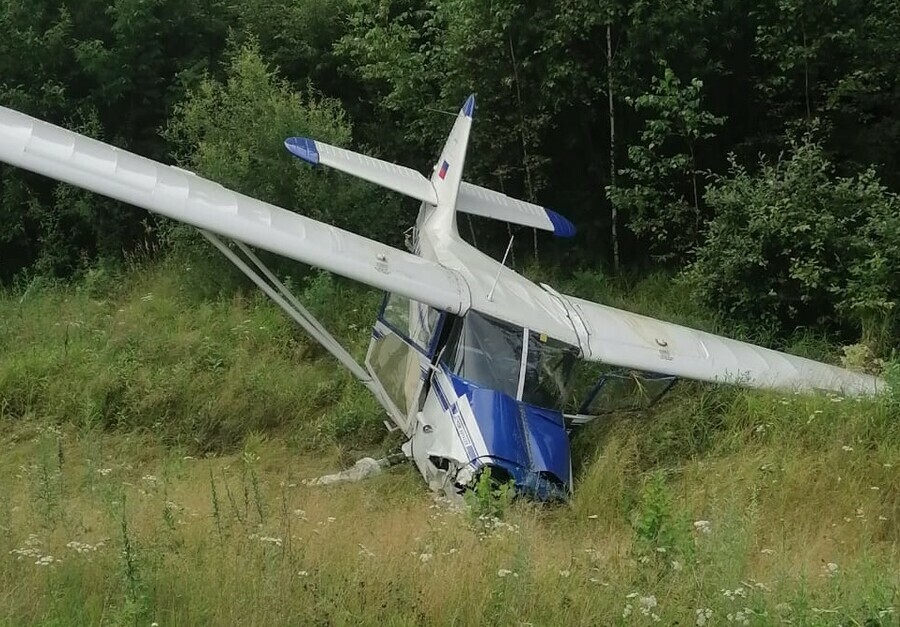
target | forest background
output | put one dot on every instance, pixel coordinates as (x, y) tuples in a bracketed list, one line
[(750, 148), (730, 165)]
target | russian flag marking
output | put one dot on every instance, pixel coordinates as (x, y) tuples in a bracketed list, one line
[(443, 171)]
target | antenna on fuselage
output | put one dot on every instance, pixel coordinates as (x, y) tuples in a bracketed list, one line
[(490, 295)]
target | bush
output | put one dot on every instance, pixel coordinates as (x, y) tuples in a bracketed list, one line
[(233, 133), (795, 244)]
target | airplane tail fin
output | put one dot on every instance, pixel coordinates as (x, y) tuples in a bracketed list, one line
[(446, 189), (447, 174)]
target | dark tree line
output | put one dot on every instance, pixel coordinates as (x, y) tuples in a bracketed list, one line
[(682, 119)]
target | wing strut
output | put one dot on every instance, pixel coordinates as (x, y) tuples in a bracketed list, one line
[(282, 296)]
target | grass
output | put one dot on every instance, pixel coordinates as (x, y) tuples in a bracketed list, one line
[(155, 441)]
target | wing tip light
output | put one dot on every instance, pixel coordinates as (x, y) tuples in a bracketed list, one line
[(561, 226), (303, 148)]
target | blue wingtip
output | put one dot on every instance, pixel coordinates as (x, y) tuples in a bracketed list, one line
[(561, 226), (304, 148), (469, 106)]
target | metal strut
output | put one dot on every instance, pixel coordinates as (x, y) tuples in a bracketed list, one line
[(289, 303)]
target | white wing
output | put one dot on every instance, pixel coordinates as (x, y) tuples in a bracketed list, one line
[(60, 154), (633, 341), (395, 177)]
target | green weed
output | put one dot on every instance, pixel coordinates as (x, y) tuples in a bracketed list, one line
[(489, 497)]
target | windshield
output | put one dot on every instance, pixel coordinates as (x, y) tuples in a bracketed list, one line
[(488, 353)]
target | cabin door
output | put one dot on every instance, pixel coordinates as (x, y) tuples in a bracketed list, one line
[(403, 342)]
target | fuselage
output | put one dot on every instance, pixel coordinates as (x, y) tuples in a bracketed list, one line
[(484, 392)]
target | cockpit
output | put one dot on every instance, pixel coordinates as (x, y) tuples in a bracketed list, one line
[(473, 392)]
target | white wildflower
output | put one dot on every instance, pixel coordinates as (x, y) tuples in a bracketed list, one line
[(303, 573), (647, 604), (847, 448), (505, 572), (703, 526), (703, 616), (831, 569), (150, 478), (266, 539), (767, 551), (626, 611), (742, 617), (83, 547), (731, 595), (677, 566), (564, 573), (425, 557), (30, 549), (46, 560), (104, 471)]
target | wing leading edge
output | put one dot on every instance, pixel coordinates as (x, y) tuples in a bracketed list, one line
[(630, 340), (46, 149)]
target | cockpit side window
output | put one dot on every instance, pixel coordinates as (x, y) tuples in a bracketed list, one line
[(414, 321), (548, 371)]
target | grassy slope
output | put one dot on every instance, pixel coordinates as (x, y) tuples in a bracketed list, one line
[(175, 430)]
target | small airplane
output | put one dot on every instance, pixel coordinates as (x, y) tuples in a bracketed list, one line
[(471, 361)]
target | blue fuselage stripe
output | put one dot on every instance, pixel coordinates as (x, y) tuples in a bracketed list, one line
[(458, 423)]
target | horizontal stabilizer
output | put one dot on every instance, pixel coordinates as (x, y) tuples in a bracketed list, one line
[(480, 201), (394, 177)]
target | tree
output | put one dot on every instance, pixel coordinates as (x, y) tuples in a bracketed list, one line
[(112, 71), (796, 244), (233, 133), (662, 194), (838, 61)]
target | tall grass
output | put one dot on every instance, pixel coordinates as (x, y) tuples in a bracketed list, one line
[(202, 372), (154, 445)]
